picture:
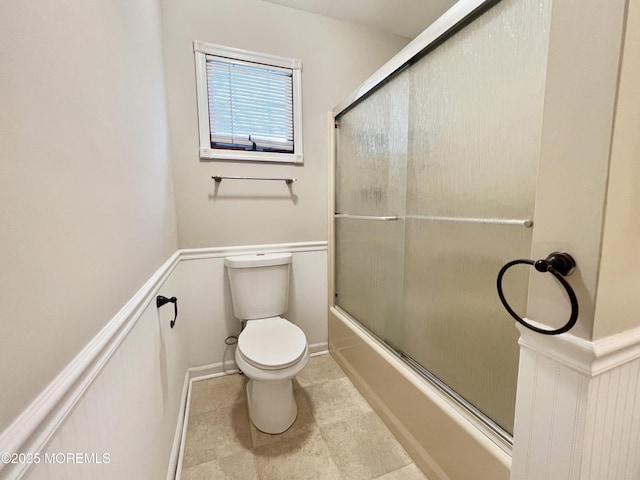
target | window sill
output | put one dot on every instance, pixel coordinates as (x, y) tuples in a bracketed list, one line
[(241, 155)]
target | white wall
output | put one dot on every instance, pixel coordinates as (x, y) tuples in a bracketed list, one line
[(618, 305), (579, 108), (336, 57), (578, 393), (87, 199)]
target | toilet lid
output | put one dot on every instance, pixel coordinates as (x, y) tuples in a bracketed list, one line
[(272, 343)]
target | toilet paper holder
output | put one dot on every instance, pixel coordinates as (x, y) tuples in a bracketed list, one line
[(559, 264), (160, 301)]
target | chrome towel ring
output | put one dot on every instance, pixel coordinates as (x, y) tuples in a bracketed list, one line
[(559, 264)]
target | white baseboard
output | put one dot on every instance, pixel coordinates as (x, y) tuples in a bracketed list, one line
[(193, 374), (177, 450), (212, 370), (229, 367), (316, 349)]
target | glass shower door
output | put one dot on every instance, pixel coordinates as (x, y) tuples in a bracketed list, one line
[(474, 127), (449, 146), (370, 196)]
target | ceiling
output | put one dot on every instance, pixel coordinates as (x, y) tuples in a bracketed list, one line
[(406, 18)]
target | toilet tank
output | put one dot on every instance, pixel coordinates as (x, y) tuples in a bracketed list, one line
[(259, 284)]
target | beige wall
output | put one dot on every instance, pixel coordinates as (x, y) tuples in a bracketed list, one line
[(618, 299), (337, 57), (585, 42), (86, 192)]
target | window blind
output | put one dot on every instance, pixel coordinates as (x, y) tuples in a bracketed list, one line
[(250, 105)]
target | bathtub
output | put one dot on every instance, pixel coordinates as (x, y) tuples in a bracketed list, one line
[(443, 439)]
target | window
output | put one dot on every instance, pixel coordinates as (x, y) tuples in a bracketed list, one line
[(249, 105)]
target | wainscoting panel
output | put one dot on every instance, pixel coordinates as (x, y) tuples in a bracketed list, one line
[(577, 408), (612, 448), (205, 300), (117, 410), (554, 398), (124, 424)]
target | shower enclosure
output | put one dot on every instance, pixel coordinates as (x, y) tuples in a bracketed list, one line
[(435, 173)]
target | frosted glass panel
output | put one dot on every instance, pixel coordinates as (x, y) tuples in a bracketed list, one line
[(475, 118), (372, 153), (449, 145), (454, 324), (474, 133), (370, 181), (369, 269)]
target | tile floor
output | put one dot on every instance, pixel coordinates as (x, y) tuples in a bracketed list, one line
[(336, 435)]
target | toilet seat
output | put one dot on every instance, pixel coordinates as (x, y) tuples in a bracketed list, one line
[(272, 343)]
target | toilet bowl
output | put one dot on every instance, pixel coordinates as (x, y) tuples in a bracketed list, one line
[(271, 350)]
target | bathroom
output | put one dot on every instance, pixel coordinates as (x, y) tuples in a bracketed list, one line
[(112, 206)]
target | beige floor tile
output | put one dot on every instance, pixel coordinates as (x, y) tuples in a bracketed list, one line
[(219, 392), (336, 400), (295, 458), (304, 423), (240, 466), (363, 448), (217, 434), (320, 369), (335, 436), (410, 472)]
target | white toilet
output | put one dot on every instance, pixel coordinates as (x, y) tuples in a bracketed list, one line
[(271, 350)]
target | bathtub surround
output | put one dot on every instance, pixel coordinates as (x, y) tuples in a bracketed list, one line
[(125, 393)]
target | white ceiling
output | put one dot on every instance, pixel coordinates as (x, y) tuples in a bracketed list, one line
[(402, 17)]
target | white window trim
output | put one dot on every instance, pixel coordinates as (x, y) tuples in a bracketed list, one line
[(201, 50)]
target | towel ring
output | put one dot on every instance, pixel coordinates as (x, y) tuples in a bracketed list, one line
[(559, 264)]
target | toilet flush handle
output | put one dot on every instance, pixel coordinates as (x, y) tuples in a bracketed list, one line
[(160, 301)]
